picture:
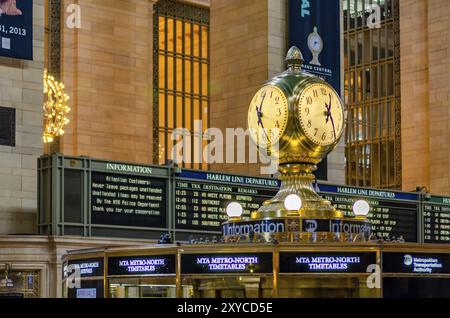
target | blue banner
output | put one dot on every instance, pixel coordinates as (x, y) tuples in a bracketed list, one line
[(16, 29), (315, 28), (367, 192), (231, 179)]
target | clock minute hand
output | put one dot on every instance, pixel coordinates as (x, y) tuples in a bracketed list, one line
[(259, 114), (330, 117), (328, 107), (334, 129)]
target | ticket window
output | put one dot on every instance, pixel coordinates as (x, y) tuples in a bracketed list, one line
[(162, 287), (326, 286), (245, 286)]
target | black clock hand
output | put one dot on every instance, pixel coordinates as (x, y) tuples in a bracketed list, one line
[(264, 130), (330, 117), (334, 129), (328, 112), (262, 102), (259, 114)]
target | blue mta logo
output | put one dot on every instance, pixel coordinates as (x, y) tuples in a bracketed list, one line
[(305, 8)]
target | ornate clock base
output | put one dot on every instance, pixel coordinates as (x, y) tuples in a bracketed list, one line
[(297, 179), (317, 220)]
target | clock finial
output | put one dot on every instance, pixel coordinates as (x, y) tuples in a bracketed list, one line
[(294, 59)]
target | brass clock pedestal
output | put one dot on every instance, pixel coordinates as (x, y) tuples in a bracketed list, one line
[(318, 221), (298, 179)]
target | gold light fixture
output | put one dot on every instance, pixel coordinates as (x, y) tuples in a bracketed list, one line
[(56, 108)]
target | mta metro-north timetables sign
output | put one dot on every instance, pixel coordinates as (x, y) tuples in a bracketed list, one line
[(16, 29)]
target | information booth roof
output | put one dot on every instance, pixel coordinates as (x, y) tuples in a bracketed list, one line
[(156, 249)]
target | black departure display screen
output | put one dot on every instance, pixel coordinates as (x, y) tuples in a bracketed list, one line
[(393, 214), (128, 200), (201, 198), (436, 220)]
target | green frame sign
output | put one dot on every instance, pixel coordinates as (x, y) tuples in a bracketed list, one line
[(66, 197)]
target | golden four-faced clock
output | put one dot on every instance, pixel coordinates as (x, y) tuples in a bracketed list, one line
[(297, 117)]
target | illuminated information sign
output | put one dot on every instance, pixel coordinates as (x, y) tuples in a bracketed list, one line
[(141, 265), (326, 262), (87, 267), (128, 200), (393, 214), (436, 220), (226, 263), (416, 263), (201, 198)]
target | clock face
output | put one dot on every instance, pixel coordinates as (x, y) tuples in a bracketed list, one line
[(268, 116), (315, 43), (321, 114)]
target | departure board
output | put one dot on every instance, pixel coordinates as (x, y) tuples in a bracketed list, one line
[(128, 200), (118, 199), (436, 220), (201, 198), (393, 214)]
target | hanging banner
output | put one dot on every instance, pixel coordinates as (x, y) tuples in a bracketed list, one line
[(16, 29), (315, 28)]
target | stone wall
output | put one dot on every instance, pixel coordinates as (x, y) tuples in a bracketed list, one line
[(21, 88), (239, 66), (425, 91), (107, 70)]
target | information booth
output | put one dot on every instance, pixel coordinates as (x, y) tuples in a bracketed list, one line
[(284, 270)]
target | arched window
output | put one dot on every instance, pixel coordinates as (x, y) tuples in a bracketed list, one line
[(181, 79)]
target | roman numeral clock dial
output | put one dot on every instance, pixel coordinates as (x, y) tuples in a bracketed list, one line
[(268, 116), (321, 114)]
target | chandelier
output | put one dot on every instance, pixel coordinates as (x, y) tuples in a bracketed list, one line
[(56, 108)]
